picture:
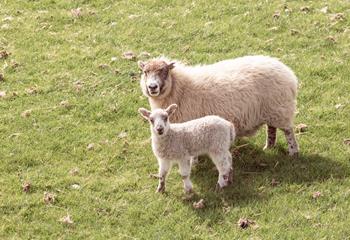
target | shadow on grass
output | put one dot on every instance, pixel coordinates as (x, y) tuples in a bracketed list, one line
[(254, 170)]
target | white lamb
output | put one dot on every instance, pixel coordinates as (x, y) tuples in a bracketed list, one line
[(247, 91), (179, 143)]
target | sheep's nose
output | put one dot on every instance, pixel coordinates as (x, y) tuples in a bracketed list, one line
[(153, 86)]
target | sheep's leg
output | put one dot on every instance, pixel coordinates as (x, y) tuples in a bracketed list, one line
[(293, 148), (164, 167), (271, 134), (185, 171), (223, 163)]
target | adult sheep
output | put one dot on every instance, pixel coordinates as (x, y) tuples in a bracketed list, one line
[(248, 91)]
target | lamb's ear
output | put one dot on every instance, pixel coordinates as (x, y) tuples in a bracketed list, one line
[(171, 65), (141, 64), (144, 113), (171, 109)]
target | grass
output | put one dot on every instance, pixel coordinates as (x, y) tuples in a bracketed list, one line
[(59, 58)]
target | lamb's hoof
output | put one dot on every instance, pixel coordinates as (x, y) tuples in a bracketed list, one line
[(266, 147), (189, 191), (293, 154), (160, 189)]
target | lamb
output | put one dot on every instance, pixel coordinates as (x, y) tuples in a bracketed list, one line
[(178, 143), (248, 91)]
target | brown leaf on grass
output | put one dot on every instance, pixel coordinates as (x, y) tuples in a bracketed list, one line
[(276, 15), (26, 187), (74, 171), (31, 90), (122, 135), (294, 32), (66, 220), (75, 186), (273, 29), (245, 223), (133, 16), (331, 39), (337, 17), (324, 9), (347, 141), (103, 66), (154, 175), (301, 127), (305, 9), (316, 195), (199, 204), (274, 182), (76, 12), (78, 85), (49, 198), (4, 54), (26, 113), (14, 64), (144, 55), (65, 104), (129, 55), (2, 78), (338, 106), (91, 146), (2, 94)]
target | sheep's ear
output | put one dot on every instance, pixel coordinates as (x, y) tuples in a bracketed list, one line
[(141, 64), (144, 113), (171, 65), (171, 109)]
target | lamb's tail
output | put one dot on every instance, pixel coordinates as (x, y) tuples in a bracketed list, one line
[(232, 133)]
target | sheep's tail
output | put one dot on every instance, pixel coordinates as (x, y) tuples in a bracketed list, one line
[(232, 133)]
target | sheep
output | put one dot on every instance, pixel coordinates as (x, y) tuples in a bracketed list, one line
[(248, 91), (179, 142)]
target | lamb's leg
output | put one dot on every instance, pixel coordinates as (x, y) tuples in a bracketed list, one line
[(271, 133), (223, 163), (185, 171), (164, 167), (293, 148)]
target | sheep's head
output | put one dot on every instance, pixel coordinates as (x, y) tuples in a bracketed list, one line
[(159, 119), (155, 80)]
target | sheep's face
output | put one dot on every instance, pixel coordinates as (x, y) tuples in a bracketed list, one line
[(159, 119), (155, 81)]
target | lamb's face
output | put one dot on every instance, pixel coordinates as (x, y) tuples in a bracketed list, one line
[(155, 80), (159, 121)]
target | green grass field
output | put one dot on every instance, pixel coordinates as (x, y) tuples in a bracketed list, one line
[(66, 86)]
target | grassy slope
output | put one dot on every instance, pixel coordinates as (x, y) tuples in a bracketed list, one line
[(117, 197)]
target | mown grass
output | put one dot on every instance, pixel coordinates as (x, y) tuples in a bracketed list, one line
[(59, 56)]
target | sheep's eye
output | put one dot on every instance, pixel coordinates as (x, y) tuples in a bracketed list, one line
[(152, 120), (146, 72), (165, 118)]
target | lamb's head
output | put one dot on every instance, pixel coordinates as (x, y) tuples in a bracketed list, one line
[(159, 119), (155, 80)]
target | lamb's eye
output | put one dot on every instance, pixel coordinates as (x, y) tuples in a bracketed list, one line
[(165, 118), (152, 120)]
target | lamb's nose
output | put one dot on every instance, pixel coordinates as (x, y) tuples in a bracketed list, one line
[(160, 130), (153, 86)]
